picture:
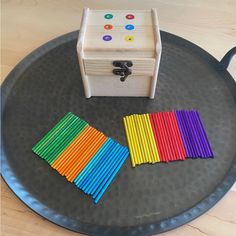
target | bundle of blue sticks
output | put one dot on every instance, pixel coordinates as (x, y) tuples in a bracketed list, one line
[(101, 170)]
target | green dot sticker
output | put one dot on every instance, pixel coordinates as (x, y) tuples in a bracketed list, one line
[(108, 16)]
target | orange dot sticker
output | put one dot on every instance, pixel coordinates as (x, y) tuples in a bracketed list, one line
[(129, 38), (108, 27)]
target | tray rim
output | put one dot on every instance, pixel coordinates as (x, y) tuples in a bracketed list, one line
[(146, 229)]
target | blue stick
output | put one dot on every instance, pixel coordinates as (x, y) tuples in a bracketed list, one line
[(90, 177), (109, 181), (108, 173), (89, 167), (109, 168), (100, 168)]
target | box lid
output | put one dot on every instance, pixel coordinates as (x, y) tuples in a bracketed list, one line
[(119, 33)]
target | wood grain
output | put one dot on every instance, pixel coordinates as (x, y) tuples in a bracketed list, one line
[(28, 24), (141, 66), (158, 51), (143, 33), (80, 52)]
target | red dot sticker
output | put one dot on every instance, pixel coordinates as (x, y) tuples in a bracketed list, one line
[(108, 27), (130, 16)]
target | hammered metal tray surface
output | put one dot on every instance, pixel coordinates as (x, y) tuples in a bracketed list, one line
[(145, 200)]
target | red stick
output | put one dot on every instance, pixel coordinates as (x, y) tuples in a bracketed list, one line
[(178, 135), (155, 132), (175, 137), (163, 136), (167, 136), (160, 138), (172, 136)]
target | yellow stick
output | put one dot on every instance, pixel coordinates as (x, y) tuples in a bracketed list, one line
[(143, 139), (136, 139), (130, 144), (146, 148), (133, 140), (147, 139), (142, 148), (139, 138), (152, 139), (144, 122), (149, 136)]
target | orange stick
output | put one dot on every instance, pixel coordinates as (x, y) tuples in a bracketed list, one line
[(63, 155), (81, 147), (71, 153), (78, 168), (81, 152), (77, 154)]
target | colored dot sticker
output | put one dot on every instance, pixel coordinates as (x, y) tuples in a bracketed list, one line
[(129, 38), (108, 27), (130, 16), (108, 16), (129, 27), (107, 38)]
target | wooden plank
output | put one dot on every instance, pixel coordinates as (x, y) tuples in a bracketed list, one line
[(157, 52), (80, 45), (105, 67), (133, 85), (142, 34)]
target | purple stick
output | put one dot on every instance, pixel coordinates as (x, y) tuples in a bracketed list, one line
[(193, 134), (187, 134), (201, 138), (207, 150), (190, 133), (200, 147), (184, 136), (182, 133), (204, 135)]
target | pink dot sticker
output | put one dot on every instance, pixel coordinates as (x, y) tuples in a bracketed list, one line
[(129, 16)]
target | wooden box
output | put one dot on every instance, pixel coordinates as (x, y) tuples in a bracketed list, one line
[(119, 52)]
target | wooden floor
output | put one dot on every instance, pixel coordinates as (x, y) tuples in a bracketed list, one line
[(27, 24)]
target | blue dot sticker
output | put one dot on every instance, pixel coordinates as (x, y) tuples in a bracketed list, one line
[(129, 27), (107, 38)]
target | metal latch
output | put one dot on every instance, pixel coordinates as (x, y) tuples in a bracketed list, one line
[(124, 71)]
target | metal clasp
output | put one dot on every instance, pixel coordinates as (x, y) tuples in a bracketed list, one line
[(124, 71)]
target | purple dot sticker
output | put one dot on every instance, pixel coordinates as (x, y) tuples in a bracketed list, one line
[(107, 38)]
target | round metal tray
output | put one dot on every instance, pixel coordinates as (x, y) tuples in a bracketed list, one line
[(144, 200)]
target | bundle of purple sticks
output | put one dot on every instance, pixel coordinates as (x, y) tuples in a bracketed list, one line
[(193, 134)]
